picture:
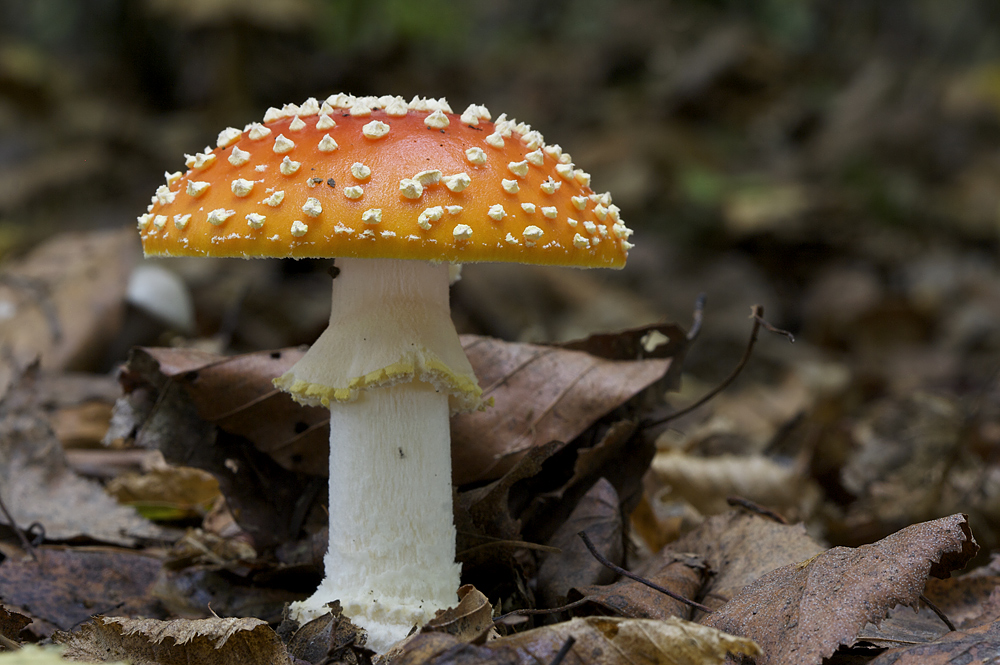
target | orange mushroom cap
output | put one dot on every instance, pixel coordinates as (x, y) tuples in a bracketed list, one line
[(383, 178)]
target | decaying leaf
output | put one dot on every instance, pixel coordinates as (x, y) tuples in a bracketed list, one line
[(67, 586), (739, 548), (469, 621), (330, 638), (268, 501), (228, 641), (605, 640), (39, 486), (62, 302), (802, 613), (11, 623), (166, 492), (598, 514), (975, 646), (540, 394)]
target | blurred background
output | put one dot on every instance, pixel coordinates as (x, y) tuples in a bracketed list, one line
[(836, 161)]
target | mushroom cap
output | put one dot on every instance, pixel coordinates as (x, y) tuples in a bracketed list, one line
[(383, 178)]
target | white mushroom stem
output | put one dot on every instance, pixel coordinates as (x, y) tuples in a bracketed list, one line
[(391, 558)]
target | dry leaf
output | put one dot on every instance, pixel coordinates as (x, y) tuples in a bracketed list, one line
[(604, 640), (976, 646), (167, 492), (11, 623), (214, 641), (236, 395), (64, 301), (802, 613), (67, 586), (38, 485), (739, 548), (599, 515), (330, 638), (540, 394), (268, 501), (469, 621)]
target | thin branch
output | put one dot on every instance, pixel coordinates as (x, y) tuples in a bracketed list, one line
[(25, 543), (756, 508), (652, 585), (941, 615), (697, 316), (756, 313), (551, 610), (561, 654)]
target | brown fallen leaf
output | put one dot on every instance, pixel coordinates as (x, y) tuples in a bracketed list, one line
[(739, 548), (39, 486), (235, 394), (67, 586), (221, 641), (469, 621), (11, 623), (540, 394), (599, 514), (267, 500), (63, 302), (167, 492), (975, 646), (330, 638), (801, 613), (604, 640)]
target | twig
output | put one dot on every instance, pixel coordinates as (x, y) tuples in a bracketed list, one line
[(8, 644), (697, 316), (567, 645), (25, 543), (652, 585), (551, 610), (756, 313), (937, 611), (756, 508)]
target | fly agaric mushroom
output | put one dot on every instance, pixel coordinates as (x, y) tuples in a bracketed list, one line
[(395, 191)]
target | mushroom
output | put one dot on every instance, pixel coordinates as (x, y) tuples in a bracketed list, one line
[(396, 191)]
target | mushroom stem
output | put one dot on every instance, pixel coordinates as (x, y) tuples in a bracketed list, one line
[(391, 558)]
